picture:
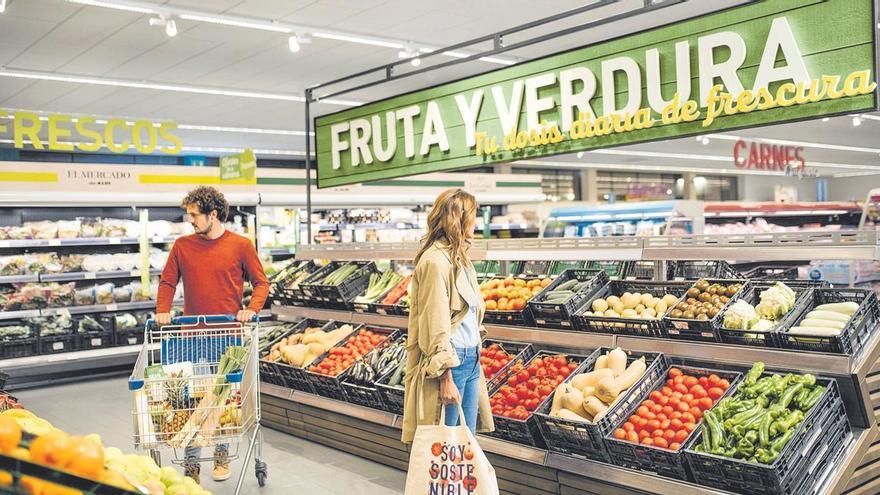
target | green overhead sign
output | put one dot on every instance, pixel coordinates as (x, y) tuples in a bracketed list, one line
[(763, 63)]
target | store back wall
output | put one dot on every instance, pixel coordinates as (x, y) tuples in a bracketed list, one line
[(763, 187), (852, 188)]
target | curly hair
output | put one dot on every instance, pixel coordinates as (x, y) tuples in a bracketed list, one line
[(208, 199)]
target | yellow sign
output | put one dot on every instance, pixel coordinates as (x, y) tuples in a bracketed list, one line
[(68, 133)]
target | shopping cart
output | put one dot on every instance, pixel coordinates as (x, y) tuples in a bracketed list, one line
[(196, 384)]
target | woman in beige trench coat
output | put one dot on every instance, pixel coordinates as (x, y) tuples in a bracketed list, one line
[(445, 323)]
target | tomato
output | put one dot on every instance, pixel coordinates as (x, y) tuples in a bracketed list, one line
[(634, 419), (643, 411), (690, 427), (657, 409), (628, 426), (674, 446), (641, 423), (661, 442), (696, 412), (667, 391), (670, 383), (668, 410), (652, 425), (662, 417), (680, 388), (620, 433), (715, 393), (523, 376), (679, 380), (632, 436), (656, 396), (649, 404), (690, 381), (724, 384), (643, 434), (674, 372), (683, 407), (664, 424), (705, 403), (650, 416), (670, 435), (675, 415), (714, 379), (664, 400), (564, 371), (647, 441), (658, 433), (704, 381), (687, 417), (699, 392), (545, 390), (681, 436), (687, 398)]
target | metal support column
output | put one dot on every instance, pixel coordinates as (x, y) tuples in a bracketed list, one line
[(308, 95)]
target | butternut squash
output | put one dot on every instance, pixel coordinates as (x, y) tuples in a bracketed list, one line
[(572, 398), (595, 408), (590, 379), (608, 389), (601, 362), (617, 361), (556, 405), (569, 415)]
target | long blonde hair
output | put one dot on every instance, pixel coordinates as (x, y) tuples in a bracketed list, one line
[(452, 216)]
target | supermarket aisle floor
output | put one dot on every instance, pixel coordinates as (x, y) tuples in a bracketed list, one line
[(296, 466)]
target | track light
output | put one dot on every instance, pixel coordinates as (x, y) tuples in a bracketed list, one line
[(416, 62), (293, 44), (580, 154), (704, 140), (856, 121), (171, 28), (2, 6)]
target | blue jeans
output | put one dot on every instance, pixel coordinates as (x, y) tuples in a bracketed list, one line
[(466, 377), (191, 454)]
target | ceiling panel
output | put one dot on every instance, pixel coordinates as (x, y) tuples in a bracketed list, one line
[(36, 10)]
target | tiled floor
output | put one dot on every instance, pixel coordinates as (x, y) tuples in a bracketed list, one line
[(296, 466)]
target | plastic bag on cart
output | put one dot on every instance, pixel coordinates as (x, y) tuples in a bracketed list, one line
[(448, 459)]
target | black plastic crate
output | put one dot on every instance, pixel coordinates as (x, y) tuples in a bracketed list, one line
[(16, 348), (764, 272), (389, 309), (294, 296), (295, 378), (521, 351), (487, 268), (696, 270), (628, 326), (521, 317), (825, 428), (557, 267), (762, 339), (368, 395), (641, 270), (587, 440), (129, 337), (614, 269), (559, 315), (701, 330), (665, 462), (340, 296), (269, 370), (855, 334), (527, 431), (331, 386), (54, 344), (309, 291), (392, 397), (534, 268), (96, 340)]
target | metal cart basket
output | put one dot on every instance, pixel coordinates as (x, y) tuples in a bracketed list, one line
[(196, 384)]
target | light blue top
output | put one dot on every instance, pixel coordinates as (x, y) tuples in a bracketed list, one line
[(468, 333)]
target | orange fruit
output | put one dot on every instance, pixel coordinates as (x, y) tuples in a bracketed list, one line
[(5, 478), (20, 453), (10, 433), (54, 448), (32, 485), (88, 457)]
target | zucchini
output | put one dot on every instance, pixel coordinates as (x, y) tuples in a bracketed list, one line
[(846, 308), (812, 322), (828, 315), (397, 377), (565, 285)]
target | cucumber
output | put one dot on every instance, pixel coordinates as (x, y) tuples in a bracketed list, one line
[(566, 285), (397, 377)]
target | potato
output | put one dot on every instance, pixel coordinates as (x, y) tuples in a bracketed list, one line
[(629, 313), (612, 300), (639, 308), (669, 299), (600, 304), (618, 307), (646, 299)]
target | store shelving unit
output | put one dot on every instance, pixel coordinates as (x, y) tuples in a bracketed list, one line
[(584, 220), (856, 473)]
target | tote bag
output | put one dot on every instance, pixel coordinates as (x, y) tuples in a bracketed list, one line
[(446, 460)]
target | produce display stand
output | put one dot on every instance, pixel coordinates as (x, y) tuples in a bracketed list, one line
[(523, 469)]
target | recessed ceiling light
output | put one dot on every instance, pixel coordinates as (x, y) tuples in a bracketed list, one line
[(2, 6), (704, 140), (580, 154), (856, 121), (171, 28), (826, 119), (416, 62)]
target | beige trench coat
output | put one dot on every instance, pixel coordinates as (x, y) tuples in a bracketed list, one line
[(439, 303)]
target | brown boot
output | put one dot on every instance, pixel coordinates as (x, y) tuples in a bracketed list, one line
[(221, 464), (193, 470)]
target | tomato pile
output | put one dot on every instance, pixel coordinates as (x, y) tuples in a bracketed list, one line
[(670, 414), (493, 359), (340, 358), (527, 387)]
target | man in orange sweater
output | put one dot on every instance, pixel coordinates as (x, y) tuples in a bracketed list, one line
[(213, 263)]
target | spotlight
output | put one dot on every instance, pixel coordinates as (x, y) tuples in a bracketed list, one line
[(2, 6), (293, 44), (856, 121), (826, 119), (704, 140), (416, 62), (171, 28), (580, 154)]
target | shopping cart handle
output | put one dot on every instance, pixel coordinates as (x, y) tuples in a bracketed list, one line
[(193, 320), (235, 376), (135, 383)]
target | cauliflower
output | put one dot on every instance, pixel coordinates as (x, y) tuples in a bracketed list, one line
[(763, 325), (740, 316), (776, 302)]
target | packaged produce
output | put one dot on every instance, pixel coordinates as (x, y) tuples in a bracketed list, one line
[(112, 227), (339, 359), (126, 322), (667, 418), (511, 294), (826, 320), (42, 263), (38, 296), (125, 261), (20, 233), (104, 293), (69, 229), (378, 285), (589, 396), (72, 262), (528, 386), (84, 296), (12, 265), (43, 230), (122, 294), (759, 420), (14, 332), (87, 324), (376, 364), (91, 228), (704, 300), (51, 325)]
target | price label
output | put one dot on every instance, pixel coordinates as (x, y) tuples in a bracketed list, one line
[(112, 307), (89, 275), (135, 273), (96, 342), (58, 346), (709, 335), (54, 242), (381, 311), (505, 226), (541, 322), (681, 325), (4, 244), (115, 240), (359, 310), (132, 340), (565, 323), (158, 239)]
